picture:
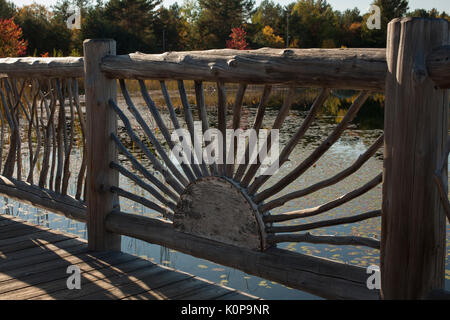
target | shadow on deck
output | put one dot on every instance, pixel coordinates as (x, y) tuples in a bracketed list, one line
[(34, 262)]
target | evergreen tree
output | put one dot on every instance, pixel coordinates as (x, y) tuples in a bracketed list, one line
[(390, 9), (312, 24), (7, 9), (43, 33), (129, 22), (218, 17)]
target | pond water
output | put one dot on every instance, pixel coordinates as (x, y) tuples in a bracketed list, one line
[(341, 155)]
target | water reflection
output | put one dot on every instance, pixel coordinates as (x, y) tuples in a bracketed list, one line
[(352, 144)]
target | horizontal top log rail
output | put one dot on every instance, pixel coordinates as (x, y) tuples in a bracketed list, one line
[(346, 68), (30, 67)]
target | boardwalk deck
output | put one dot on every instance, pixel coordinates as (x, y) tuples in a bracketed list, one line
[(34, 261)]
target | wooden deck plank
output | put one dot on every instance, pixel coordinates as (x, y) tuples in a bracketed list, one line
[(138, 282), (91, 282), (209, 292), (46, 266), (6, 265), (32, 235), (46, 283), (16, 231), (24, 242), (89, 261), (34, 261), (50, 267), (234, 295), (39, 249)]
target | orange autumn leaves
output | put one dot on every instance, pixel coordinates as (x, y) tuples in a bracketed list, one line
[(11, 42), (266, 37)]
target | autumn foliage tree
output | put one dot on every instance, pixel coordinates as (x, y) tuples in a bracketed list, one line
[(237, 40), (11, 42)]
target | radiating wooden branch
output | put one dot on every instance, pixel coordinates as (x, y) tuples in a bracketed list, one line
[(146, 203), (285, 153), (440, 178), (137, 166), (148, 132), (325, 223), (304, 213), (190, 124), (156, 163), (325, 239), (2, 135), (318, 152), (82, 121), (143, 185), (164, 130), (256, 126), (176, 125), (282, 114), (362, 159), (34, 122), (8, 169), (70, 138), (48, 144), (237, 107), (54, 143), (60, 136), (222, 124), (200, 98)]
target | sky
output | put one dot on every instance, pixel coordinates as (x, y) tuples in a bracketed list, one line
[(341, 5)]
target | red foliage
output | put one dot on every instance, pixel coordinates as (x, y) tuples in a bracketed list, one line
[(11, 44), (237, 40), (44, 55)]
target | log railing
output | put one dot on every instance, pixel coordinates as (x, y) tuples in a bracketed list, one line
[(223, 211)]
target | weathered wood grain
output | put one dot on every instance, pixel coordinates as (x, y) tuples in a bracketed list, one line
[(101, 123), (318, 276), (416, 128), (31, 67), (335, 68), (37, 269), (43, 198), (215, 209)]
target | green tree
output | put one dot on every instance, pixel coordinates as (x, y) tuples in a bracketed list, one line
[(7, 9), (218, 17), (269, 14), (170, 27), (129, 22), (433, 13), (42, 31), (312, 24), (348, 28), (390, 9)]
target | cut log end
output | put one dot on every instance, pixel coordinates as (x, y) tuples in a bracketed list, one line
[(215, 208)]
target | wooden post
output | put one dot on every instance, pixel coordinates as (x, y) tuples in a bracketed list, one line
[(416, 124), (101, 122)]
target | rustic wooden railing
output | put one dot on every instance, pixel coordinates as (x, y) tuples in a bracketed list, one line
[(222, 212)]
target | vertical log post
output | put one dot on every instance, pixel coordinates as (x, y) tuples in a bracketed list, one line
[(101, 122), (416, 124)]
